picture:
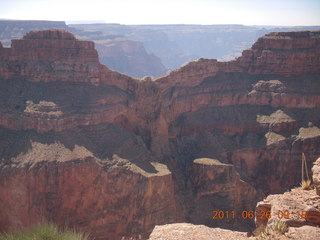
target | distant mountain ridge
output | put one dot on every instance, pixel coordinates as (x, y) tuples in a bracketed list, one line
[(153, 50), (118, 52), (181, 43), (93, 149)]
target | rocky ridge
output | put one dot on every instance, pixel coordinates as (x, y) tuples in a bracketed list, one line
[(298, 209), (63, 114), (115, 50)]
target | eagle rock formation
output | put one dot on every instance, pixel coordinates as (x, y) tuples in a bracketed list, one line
[(87, 147)]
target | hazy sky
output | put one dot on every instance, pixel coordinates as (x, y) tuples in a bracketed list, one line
[(248, 12)]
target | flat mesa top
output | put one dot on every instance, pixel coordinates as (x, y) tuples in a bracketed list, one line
[(50, 34), (309, 132), (209, 161)]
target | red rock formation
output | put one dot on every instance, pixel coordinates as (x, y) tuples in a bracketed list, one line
[(73, 188), (296, 208), (299, 209), (56, 55), (210, 180), (257, 113), (285, 54)]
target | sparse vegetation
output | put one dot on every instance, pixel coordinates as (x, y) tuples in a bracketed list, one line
[(132, 238), (44, 231), (273, 230), (305, 184)]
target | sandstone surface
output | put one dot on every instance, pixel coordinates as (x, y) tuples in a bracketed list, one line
[(298, 208), (215, 185), (187, 231), (73, 184), (116, 154), (118, 52)]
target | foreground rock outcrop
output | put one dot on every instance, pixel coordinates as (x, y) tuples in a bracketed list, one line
[(181, 231), (296, 208), (94, 149), (187, 231)]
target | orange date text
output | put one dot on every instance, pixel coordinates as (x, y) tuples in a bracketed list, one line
[(281, 214)]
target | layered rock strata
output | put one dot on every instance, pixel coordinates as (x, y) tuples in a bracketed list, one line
[(296, 208), (64, 116), (55, 179), (218, 186), (299, 209)]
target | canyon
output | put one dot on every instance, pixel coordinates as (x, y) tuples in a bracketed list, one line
[(298, 208), (152, 50), (96, 150), (115, 50)]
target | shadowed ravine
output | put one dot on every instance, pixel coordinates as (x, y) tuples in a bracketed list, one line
[(87, 147)]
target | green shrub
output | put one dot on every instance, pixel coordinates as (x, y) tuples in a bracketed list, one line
[(44, 232)]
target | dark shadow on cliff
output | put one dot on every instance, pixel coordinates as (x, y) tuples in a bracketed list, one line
[(103, 141), (71, 98)]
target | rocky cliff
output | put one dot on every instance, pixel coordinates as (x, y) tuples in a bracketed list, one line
[(178, 44), (115, 50), (91, 148), (298, 209), (129, 57)]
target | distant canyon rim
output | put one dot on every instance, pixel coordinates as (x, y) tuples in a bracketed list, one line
[(93, 149)]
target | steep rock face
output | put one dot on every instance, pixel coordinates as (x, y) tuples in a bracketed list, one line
[(54, 57), (296, 208), (182, 43), (244, 113), (285, 53), (299, 209), (217, 186), (83, 184), (109, 205), (277, 166), (116, 51), (129, 57), (254, 120)]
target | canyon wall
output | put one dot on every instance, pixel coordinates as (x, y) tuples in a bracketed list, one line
[(116, 155), (118, 52)]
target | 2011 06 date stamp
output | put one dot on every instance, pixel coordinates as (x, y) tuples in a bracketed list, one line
[(281, 214)]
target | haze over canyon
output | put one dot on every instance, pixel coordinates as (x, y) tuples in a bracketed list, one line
[(88, 147)]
